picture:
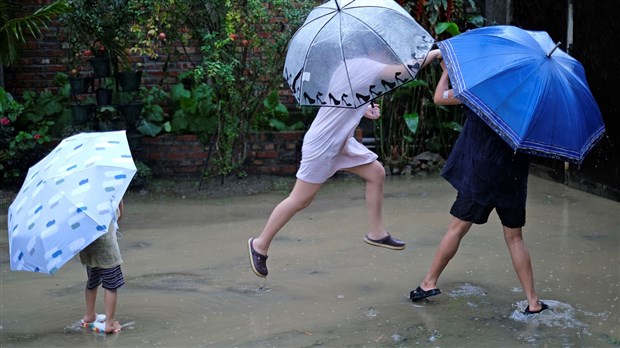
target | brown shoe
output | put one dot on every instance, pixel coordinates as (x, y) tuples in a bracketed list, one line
[(387, 242), (258, 262)]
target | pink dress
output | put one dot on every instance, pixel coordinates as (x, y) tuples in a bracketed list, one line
[(329, 145)]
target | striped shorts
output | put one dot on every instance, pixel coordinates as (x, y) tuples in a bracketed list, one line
[(112, 278)]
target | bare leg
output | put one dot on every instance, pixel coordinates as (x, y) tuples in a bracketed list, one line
[(91, 298), (522, 264), (109, 303), (301, 196), (445, 252), (374, 174)]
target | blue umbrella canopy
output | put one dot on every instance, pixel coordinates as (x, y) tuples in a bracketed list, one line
[(338, 32), (533, 94)]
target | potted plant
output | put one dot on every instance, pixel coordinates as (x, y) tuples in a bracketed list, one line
[(129, 80), (96, 31), (105, 92), (79, 84), (99, 61)]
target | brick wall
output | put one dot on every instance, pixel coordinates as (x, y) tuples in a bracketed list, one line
[(184, 156), (41, 59)]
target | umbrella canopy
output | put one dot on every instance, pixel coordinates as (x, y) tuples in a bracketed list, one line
[(338, 32), (68, 200), (533, 94)]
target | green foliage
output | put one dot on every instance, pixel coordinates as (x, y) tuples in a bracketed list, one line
[(99, 26), (194, 111), (153, 120), (13, 29), (22, 136), (243, 55), (275, 115)]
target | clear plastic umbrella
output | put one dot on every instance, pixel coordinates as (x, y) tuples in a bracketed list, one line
[(68, 200), (338, 32)]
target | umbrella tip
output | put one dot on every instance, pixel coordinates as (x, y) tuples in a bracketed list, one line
[(555, 48)]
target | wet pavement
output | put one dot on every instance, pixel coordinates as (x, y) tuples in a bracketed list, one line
[(188, 282)]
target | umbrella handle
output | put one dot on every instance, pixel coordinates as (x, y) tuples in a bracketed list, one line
[(555, 48)]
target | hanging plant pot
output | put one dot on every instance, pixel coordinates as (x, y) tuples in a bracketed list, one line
[(133, 140), (80, 85), (82, 113), (131, 112), (101, 66), (104, 96), (129, 81)]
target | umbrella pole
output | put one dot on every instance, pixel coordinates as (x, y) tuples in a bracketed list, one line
[(555, 48)]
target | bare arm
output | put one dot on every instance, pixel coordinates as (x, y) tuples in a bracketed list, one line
[(390, 70), (444, 95), (121, 206)]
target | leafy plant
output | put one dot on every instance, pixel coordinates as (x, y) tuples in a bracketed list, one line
[(195, 111), (22, 135), (243, 50), (13, 29), (276, 115), (96, 27), (153, 120)]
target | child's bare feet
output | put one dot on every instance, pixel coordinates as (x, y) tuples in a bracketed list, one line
[(107, 327), (86, 322)]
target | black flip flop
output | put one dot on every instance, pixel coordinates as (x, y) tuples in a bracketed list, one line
[(542, 308), (420, 294)]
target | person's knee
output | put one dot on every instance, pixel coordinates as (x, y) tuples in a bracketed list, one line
[(376, 173), (300, 203)]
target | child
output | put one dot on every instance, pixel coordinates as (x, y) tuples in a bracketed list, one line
[(102, 259), (488, 175)]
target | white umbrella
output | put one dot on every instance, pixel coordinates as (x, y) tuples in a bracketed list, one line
[(339, 32), (68, 200)]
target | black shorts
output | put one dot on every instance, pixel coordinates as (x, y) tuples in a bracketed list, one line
[(467, 210), (112, 278)]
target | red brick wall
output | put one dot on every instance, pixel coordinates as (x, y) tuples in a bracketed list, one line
[(40, 60), (184, 156)]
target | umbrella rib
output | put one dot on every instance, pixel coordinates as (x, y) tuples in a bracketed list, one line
[(378, 35), (333, 14)]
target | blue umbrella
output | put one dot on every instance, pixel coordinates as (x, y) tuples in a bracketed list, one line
[(68, 200), (533, 94)]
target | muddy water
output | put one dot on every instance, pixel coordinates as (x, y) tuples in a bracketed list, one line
[(188, 283)]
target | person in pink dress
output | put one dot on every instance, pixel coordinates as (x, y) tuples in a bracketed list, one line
[(330, 146)]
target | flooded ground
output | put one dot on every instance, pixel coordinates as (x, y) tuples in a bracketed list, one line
[(188, 282)]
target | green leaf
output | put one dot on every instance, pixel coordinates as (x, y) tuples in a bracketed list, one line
[(148, 128), (412, 120), (450, 27)]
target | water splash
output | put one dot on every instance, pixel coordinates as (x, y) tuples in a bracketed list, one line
[(467, 290), (559, 314)]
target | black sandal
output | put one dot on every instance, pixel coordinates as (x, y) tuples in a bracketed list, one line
[(420, 294), (542, 308)]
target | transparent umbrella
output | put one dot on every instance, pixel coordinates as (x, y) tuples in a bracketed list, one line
[(338, 32)]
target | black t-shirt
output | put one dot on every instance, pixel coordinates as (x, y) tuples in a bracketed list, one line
[(484, 168)]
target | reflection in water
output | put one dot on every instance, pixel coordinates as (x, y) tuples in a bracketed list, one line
[(189, 283)]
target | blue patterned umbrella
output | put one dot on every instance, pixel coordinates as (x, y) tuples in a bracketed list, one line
[(533, 94), (68, 200)]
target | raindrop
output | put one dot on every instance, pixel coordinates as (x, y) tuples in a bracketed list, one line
[(371, 313)]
